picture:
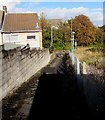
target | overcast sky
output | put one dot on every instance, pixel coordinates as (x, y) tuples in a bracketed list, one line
[(54, 9)]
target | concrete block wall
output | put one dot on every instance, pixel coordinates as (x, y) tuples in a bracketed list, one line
[(1, 48), (18, 65)]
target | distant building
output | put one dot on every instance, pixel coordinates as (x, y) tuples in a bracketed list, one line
[(54, 22), (21, 28)]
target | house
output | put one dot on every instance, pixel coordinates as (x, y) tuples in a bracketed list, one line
[(22, 28)]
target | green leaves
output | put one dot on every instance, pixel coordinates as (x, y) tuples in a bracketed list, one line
[(60, 36)]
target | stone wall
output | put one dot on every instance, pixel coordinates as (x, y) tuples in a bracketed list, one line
[(18, 65)]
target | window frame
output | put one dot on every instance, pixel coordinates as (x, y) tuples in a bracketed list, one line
[(31, 35)]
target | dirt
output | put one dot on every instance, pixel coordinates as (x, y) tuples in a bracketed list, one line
[(14, 103), (99, 74)]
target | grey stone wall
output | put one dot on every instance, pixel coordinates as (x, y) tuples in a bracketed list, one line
[(18, 65)]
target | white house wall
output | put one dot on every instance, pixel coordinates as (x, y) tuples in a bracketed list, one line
[(40, 39), (22, 39), (33, 43), (0, 39)]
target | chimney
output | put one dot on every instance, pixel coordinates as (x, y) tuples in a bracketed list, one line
[(37, 25), (5, 9)]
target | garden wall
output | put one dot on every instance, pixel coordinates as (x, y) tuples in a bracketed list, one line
[(18, 65)]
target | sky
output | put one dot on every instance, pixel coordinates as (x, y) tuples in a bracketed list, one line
[(59, 9)]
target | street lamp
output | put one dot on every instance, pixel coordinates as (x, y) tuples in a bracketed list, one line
[(72, 41), (72, 37), (52, 35)]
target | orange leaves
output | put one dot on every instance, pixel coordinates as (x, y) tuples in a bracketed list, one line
[(84, 29)]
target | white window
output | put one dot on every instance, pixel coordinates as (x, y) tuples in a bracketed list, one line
[(9, 38), (6, 38), (31, 36), (14, 38)]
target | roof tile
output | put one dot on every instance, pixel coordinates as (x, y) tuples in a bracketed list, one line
[(21, 22)]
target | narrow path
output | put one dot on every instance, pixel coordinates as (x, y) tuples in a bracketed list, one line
[(57, 95)]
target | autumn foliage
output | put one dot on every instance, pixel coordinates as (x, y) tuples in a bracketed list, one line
[(84, 30)]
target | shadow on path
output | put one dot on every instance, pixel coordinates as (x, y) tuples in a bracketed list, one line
[(57, 97)]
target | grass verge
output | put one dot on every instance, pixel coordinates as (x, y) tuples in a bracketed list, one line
[(92, 55)]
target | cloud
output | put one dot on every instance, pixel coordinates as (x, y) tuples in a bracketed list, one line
[(63, 13), (95, 15), (59, 12), (11, 4), (98, 9), (96, 18)]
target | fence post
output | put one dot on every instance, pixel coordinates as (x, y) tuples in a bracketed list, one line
[(78, 66), (84, 68), (75, 62)]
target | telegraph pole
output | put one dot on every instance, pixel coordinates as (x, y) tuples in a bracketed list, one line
[(51, 37)]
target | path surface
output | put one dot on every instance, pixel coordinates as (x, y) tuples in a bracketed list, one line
[(56, 97)]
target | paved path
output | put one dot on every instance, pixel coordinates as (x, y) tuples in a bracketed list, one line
[(57, 95)]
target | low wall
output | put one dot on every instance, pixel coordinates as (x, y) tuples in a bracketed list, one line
[(18, 65), (92, 88)]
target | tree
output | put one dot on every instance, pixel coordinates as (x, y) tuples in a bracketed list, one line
[(99, 35), (43, 21), (102, 37), (103, 33), (84, 30), (61, 35), (46, 31)]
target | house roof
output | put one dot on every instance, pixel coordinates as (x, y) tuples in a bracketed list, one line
[(21, 22)]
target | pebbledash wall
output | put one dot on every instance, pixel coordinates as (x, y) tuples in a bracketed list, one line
[(18, 65)]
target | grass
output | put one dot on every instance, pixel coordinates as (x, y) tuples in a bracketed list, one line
[(61, 46), (92, 55)]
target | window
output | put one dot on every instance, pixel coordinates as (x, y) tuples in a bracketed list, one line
[(9, 38), (14, 38), (31, 37), (6, 38)]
